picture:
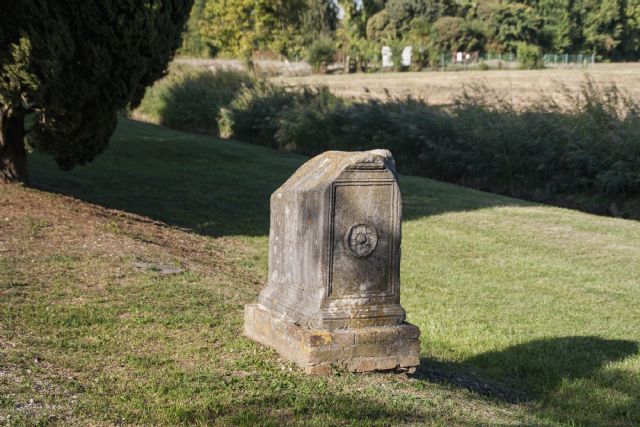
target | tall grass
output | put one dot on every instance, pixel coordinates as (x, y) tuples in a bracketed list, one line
[(587, 150), (583, 153)]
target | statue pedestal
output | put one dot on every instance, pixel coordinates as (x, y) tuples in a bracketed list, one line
[(318, 350)]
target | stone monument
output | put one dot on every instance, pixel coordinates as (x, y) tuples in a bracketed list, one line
[(406, 55), (387, 57), (333, 293)]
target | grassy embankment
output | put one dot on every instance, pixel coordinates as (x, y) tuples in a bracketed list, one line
[(580, 150), (529, 314)]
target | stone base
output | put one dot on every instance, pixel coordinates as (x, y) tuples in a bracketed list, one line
[(317, 350)]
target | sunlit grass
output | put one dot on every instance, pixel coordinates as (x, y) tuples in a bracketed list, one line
[(529, 314)]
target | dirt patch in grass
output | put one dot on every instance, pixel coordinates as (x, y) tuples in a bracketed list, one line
[(92, 333), (37, 226), (59, 252)]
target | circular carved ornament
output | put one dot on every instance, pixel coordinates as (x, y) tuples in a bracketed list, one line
[(361, 239)]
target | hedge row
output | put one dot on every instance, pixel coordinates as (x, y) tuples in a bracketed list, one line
[(583, 154)]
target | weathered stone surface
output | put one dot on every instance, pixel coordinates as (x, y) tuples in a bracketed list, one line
[(333, 294), (334, 244), (317, 351)]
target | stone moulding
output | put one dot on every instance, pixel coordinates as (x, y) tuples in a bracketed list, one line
[(318, 351)]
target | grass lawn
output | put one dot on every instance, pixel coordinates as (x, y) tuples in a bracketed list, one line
[(530, 315)]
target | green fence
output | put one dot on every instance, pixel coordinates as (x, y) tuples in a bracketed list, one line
[(552, 59), (510, 60)]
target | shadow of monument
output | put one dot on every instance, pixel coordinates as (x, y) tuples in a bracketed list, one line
[(212, 187), (539, 369)]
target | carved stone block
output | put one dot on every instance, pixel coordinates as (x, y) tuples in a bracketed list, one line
[(334, 262)]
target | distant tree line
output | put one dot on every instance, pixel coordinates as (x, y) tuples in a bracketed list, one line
[(609, 29), (239, 28)]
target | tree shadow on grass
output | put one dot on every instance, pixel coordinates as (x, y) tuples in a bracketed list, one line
[(545, 370), (210, 186)]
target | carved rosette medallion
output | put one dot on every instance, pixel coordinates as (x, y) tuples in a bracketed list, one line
[(361, 239)]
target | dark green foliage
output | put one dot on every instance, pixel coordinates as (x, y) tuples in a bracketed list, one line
[(513, 23), (379, 28), (193, 44), (321, 53), (547, 153), (587, 156), (410, 128), (451, 34), (560, 30), (610, 28), (630, 46), (319, 19), (253, 115), (73, 65), (191, 100), (309, 124), (371, 7), (529, 56), (602, 28), (402, 12), (269, 115)]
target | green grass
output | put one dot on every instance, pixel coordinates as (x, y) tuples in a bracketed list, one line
[(529, 314)]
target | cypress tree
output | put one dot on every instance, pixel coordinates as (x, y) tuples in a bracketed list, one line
[(68, 66)]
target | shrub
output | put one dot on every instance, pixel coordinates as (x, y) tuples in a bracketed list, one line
[(253, 116), (191, 99), (379, 28), (529, 56), (411, 129), (320, 54), (585, 155), (452, 34), (310, 124)]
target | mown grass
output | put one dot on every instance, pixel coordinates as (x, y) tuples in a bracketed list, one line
[(529, 314)]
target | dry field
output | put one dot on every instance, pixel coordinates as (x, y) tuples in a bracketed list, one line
[(520, 86)]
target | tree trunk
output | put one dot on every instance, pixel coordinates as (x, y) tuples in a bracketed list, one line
[(13, 155)]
